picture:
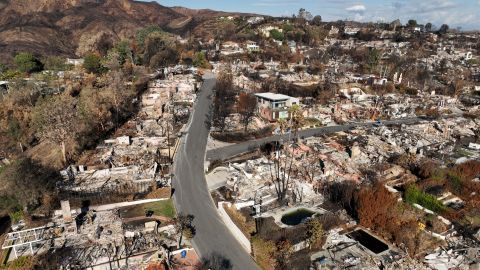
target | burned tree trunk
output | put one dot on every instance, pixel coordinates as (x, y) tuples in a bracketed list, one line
[(280, 177)]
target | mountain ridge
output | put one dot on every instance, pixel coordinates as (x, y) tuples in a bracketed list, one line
[(73, 28)]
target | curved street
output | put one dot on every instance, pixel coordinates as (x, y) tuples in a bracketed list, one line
[(236, 149), (191, 195)]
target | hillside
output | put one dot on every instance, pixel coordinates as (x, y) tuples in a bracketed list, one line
[(207, 13), (74, 27)]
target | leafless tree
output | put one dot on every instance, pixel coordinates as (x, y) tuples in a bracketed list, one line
[(56, 120), (247, 103), (310, 169), (281, 172), (297, 192), (224, 99), (122, 95), (283, 253)]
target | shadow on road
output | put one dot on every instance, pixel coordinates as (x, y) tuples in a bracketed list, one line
[(215, 261)]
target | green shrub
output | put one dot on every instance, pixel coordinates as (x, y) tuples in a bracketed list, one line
[(414, 195), (93, 63), (27, 63), (16, 216), (142, 34), (438, 175), (277, 35), (19, 263), (7, 204), (200, 60), (288, 28), (455, 182), (10, 74)]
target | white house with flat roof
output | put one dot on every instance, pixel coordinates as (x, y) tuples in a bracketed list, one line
[(272, 106), (252, 46)]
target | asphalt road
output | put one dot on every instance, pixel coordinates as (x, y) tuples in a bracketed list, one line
[(236, 149), (191, 195)]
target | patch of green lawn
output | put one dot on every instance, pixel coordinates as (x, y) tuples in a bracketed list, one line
[(162, 208)]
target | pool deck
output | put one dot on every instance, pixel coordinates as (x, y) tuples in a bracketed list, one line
[(279, 212), (390, 247), (341, 248)]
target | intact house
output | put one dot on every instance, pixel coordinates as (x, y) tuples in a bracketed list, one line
[(254, 20), (333, 31), (252, 46), (351, 31), (273, 107)]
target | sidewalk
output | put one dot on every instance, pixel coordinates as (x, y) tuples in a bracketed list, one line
[(236, 232), (112, 206)]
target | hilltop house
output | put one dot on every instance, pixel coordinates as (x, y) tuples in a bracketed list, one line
[(351, 31), (265, 30), (333, 31), (273, 106), (252, 46), (254, 20)]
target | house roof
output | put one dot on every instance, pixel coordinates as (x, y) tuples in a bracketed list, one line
[(273, 96)]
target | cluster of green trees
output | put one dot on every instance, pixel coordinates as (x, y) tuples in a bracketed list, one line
[(303, 28), (277, 35), (200, 60), (310, 34), (456, 179), (25, 63), (152, 47)]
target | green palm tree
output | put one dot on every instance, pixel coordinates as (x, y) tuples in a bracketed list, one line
[(297, 120)]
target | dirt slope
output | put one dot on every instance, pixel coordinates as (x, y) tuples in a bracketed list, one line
[(74, 27)]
